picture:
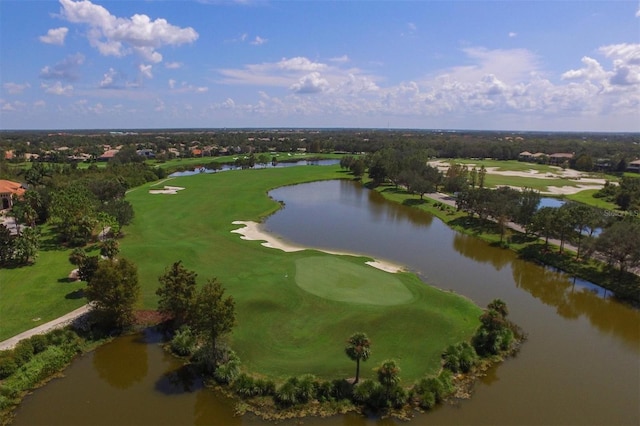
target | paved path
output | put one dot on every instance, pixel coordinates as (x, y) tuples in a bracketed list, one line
[(44, 328)]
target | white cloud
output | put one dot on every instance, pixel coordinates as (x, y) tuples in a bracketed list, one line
[(57, 89), (258, 41), (340, 59), (513, 34), (115, 36), (172, 83), (145, 71), (39, 104), (110, 79), (300, 63), (15, 88), (310, 83), (67, 69), (55, 36), (173, 65)]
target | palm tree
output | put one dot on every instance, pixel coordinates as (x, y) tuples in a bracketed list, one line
[(388, 375), (358, 348)]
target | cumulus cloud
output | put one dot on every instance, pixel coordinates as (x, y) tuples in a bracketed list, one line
[(55, 36), (340, 59), (173, 65), (66, 70), (15, 88), (117, 36), (57, 89), (310, 83), (145, 71), (513, 34)]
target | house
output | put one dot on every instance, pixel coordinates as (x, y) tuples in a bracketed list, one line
[(146, 153), (108, 155), (7, 190), (634, 166), (525, 156), (560, 158)]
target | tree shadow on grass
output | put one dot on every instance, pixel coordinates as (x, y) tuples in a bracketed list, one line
[(77, 294), (411, 202), (474, 224)]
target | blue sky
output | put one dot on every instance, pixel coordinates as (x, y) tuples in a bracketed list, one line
[(487, 65)]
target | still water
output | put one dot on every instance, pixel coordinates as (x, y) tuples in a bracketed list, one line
[(580, 364)]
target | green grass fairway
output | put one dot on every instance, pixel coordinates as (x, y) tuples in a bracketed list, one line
[(284, 326), (336, 279)]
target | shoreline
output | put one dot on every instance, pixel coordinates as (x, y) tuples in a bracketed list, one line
[(252, 232)]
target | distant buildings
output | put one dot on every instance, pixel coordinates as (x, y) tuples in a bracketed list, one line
[(7, 190), (634, 166)]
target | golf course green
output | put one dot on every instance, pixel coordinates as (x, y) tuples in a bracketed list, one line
[(295, 310)]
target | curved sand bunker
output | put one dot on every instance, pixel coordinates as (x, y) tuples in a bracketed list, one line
[(252, 232)]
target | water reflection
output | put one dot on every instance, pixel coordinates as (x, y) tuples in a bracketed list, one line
[(473, 248), (132, 369), (573, 300), (181, 380)]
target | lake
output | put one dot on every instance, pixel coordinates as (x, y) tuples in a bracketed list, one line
[(578, 366)]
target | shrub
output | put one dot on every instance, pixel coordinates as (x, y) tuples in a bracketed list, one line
[(266, 387), (341, 389), (287, 394), (245, 386), (183, 342), (363, 391), (23, 352), (306, 388), (39, 343), (228, 372), (460, 358), (8, 365)]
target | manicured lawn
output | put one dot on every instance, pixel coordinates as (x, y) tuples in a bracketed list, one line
[(37, 291), (587, 197), (286, 324), (513, 165)]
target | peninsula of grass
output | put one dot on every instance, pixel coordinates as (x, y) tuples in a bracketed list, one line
[(295, 310)]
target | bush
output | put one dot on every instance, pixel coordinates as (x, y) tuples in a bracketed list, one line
[(265, 387), (433, 390), (341, 389), (460, 358), (245, 386), (228, 372), (183, 342), (363, 391), (306, 389), (8, 365), (23, 352), (287, 394), (39, 343)]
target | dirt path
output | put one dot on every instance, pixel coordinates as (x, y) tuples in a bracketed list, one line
[(44, 328)]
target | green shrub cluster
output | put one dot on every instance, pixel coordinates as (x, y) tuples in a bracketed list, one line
[(183, 342), (460, 358), (433, 390)]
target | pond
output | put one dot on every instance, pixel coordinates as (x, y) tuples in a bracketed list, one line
[(579, 365), (226, 167)]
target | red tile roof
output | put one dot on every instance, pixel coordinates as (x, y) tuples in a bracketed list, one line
[(7, 186)]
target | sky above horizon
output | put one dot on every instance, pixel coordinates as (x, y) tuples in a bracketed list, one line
[(549, 65)]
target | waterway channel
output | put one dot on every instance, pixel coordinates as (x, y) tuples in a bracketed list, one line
[(579, 365)]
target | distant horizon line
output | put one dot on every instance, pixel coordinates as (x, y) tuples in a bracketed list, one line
[(289, 128)]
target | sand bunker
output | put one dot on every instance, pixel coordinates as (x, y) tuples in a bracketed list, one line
[(166, 190), (252, 232)]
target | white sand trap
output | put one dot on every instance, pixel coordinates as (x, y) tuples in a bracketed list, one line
[(166, 190), (252, 232), (568, 190)]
